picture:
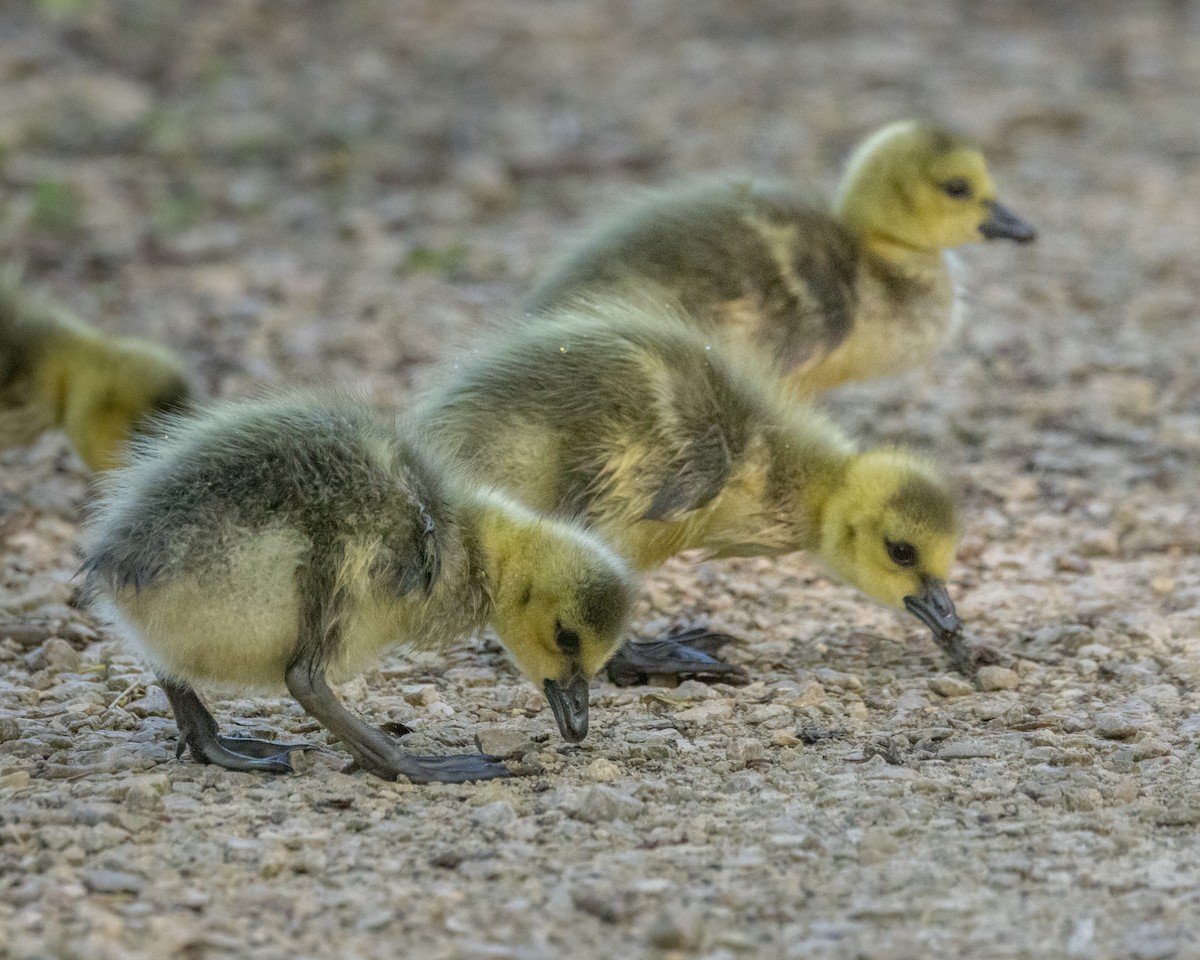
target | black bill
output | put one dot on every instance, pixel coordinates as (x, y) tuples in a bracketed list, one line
[(1003, 224), (934, 608), (569, 703)]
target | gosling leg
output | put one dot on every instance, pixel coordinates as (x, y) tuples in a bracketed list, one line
[(681, 654), (373, 749), (198, 730)]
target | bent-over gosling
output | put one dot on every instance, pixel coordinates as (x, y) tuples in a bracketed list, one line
[(623, 415), (56, 371), (859, 293), (276, 543)]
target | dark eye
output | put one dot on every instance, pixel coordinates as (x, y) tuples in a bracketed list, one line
[(957, 187), (902, 554), (567, 640)]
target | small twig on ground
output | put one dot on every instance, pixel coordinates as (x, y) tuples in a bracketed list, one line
[(116, 703)]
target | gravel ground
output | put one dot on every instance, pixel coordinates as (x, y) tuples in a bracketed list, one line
[(309, 191)]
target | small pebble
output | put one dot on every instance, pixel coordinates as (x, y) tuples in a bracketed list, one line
[(503, 742), (600, 804), (1098, 543), (1181, 815), (1126, 791), (498, 815), (153, 704), (745, 750), (877, 845), (112, 881), (704, 714), (1115, 726), (836, 680), (950, 686), (55, 654), (15, 780), (603, 908), (1149, 747), (967, 750), (997, 678), (146, 793), (809, 694), (1071, 563), (678, 930), (601, 770)]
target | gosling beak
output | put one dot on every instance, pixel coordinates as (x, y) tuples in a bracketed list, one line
[(569, 704), (1002, 223), (934, 608)]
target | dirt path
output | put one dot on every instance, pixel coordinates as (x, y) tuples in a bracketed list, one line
[(308, 191)]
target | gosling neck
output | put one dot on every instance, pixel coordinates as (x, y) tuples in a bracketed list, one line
[(901, 255), (491, 539), (807, 469), (857, 207)]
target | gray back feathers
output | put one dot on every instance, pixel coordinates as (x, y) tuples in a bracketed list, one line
[(610, 408), (329, 471), (717, 246)]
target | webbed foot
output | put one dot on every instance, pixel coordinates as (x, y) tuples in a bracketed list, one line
[(453, 768), (198, 731), (373, 749), (250, 747), (682, 654), (241, 753)]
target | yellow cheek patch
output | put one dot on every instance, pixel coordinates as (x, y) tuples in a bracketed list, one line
[(521, 638), (596, 657)]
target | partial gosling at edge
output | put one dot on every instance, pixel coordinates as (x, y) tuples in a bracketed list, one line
[(56, 371)]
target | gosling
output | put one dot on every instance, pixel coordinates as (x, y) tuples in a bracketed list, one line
[(56, 371), (289, 541), (860, 293), (622, 415)]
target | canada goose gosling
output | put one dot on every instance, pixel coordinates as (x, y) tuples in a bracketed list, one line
[(623, 415), (281, 542), (827, 297)]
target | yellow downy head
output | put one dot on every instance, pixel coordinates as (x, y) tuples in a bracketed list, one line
[(915, 188), (561, 602), (891, 529)]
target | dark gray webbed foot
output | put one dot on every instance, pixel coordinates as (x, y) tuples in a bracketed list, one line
[(241, 753), (198, 731), (265, 749), (682, 654), (372, 748), (453, 768)]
